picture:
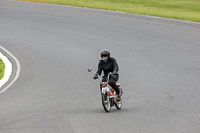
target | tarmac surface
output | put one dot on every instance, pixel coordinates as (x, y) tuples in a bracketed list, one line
[(159, 63)]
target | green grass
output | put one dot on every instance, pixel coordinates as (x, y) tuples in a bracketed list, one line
[(178, 9), (2, 67)]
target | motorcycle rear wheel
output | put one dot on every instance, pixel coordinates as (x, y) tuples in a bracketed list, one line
[(118, 104)]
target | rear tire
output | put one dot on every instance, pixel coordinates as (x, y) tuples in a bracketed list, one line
[(106, 102), (118, 104)]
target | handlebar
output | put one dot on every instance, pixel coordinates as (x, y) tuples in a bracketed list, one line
[(100, 79)]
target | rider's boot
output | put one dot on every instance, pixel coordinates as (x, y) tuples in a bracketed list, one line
[(119, 94), (118, 98)]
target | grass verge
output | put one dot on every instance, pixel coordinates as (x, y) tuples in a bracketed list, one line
[(2, 67), (178, 9)]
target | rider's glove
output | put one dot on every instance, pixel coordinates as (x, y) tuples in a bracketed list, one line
[(114, 73), (96, 76)]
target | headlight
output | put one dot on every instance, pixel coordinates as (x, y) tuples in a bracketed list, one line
[(103, 84)]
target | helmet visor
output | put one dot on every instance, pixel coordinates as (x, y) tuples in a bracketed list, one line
[(104, 55)]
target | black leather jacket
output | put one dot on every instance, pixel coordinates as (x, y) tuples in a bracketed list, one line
[(109, 66)]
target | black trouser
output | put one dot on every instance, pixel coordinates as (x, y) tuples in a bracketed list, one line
[(112, 82)]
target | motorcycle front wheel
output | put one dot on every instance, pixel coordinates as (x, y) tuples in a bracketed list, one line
[(106, 102)]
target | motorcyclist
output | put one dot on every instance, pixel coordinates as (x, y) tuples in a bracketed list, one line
[(108, 64)]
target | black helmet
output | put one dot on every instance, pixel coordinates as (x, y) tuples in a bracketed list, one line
[(104, 53)]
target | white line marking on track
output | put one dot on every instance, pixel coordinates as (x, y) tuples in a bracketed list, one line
[(8, 70)]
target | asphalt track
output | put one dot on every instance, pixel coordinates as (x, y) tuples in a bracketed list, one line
[(159, 62)]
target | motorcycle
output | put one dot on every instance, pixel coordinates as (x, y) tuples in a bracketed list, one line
[(108, 94)]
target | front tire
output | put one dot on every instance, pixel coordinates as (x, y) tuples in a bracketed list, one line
[(106, 102)]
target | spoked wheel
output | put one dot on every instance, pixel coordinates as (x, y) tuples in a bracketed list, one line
[(118, 103), (106, 102)]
